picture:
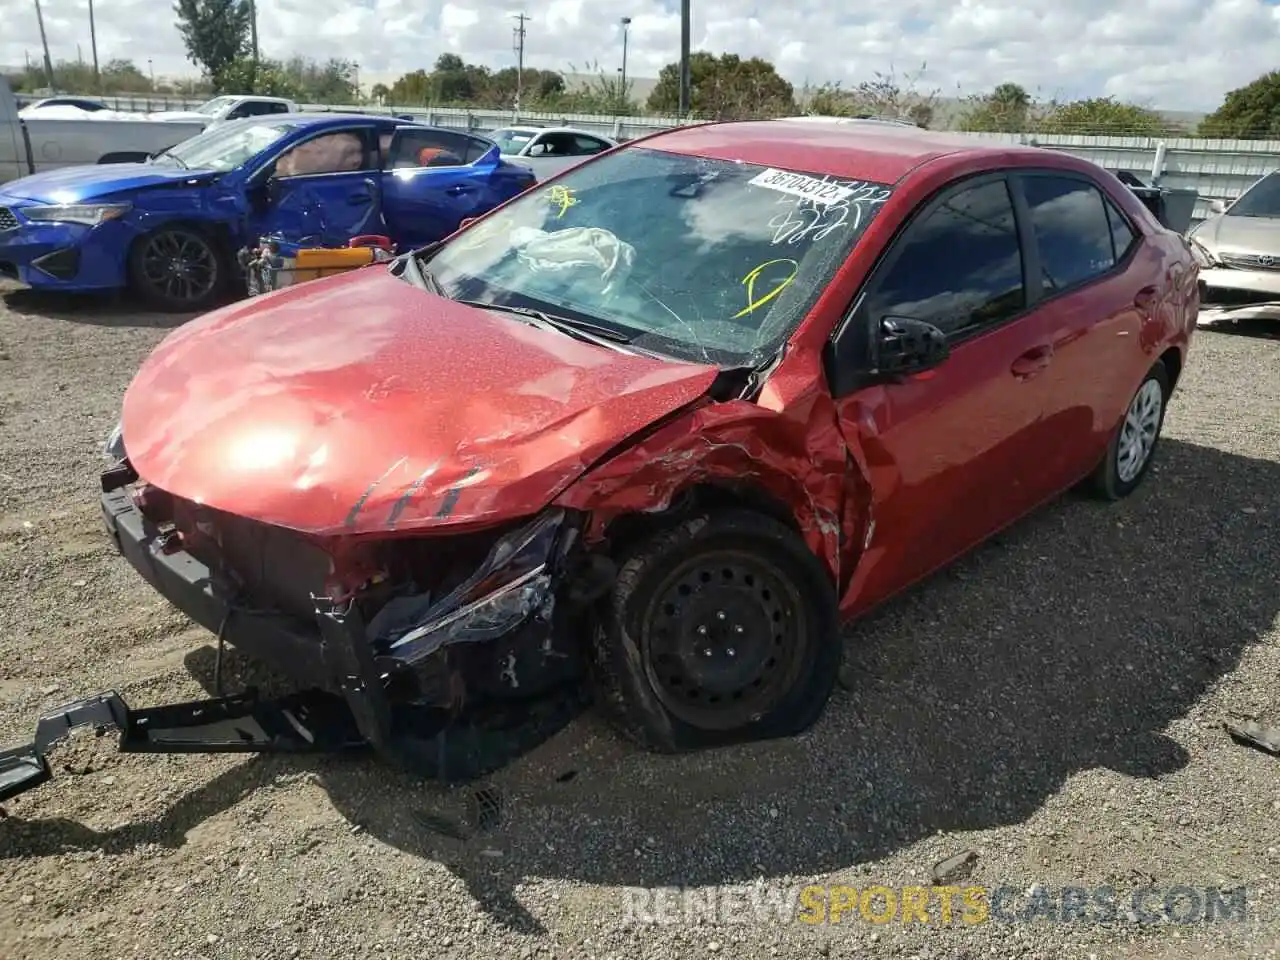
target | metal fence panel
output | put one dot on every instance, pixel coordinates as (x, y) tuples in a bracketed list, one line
[(1215, 169)]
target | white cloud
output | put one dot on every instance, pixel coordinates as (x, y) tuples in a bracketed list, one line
[(1175, 54)]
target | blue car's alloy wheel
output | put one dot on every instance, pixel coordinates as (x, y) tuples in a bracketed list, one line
[(177, 268)]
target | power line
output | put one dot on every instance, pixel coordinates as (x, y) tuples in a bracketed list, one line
[(518, 46), (93, 42)]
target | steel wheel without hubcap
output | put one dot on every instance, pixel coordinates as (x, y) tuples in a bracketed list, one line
[(179, 266), (1138, 434), (726, 639)]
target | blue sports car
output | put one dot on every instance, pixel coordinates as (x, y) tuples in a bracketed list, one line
[(170, 228)]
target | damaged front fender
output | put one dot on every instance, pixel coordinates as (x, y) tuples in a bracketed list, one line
[(796, 455)]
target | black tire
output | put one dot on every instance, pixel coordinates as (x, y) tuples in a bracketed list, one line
[(207, 268), (761, 587), (1110, 481)]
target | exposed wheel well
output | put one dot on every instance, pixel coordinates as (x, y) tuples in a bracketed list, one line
[(1172, 360), (629, 528)]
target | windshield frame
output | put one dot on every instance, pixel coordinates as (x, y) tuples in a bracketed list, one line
[(651, 341), (210, 107), (229, 132), (511, 133)]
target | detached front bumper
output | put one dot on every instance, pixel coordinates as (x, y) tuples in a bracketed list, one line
[(308, 722)]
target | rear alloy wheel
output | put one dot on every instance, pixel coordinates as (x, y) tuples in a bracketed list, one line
[(1133, 446), (177, 268), (722, 629)]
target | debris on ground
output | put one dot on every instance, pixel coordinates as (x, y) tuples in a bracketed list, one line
[(1254, 734), (955, 868)]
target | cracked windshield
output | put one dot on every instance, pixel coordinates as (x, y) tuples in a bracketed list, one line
[(707, 260)]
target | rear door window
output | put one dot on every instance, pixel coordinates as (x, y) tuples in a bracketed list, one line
[(584, 145), (1122, 233), (1072, 228), (411, 148)]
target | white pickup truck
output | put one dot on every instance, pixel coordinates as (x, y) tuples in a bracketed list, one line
[(32, 144), (227, 107)]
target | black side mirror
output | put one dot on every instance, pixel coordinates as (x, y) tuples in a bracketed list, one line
[(906, 346)]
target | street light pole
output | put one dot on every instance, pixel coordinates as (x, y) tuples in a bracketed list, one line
[(622, 89), (685, 30)]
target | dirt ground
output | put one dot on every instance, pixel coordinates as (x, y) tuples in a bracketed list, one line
[(1053, 703)]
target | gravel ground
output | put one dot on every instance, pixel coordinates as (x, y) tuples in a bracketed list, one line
[(1053, 703)]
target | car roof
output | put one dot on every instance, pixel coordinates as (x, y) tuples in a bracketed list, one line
[(520, 128), (862, 149), (310, 119)]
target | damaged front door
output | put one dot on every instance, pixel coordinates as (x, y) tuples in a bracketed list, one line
[(949, 441), (323, 190)]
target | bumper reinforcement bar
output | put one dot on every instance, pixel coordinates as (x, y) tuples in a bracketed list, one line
[(307, 722)]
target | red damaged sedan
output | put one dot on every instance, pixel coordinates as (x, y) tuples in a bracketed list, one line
[(653, 429)]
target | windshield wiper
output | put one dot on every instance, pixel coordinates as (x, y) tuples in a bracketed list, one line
[(410, 268), (166, 155), (590, 332)]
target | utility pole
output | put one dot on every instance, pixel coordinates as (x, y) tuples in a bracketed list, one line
[(519, 48), (685, 30), (253, 31), (48, 62), (93, 43)]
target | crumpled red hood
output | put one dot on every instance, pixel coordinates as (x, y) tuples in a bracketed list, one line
[(359, 403)]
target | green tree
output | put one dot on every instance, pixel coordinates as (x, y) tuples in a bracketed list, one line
[(72, 76), (453, 81), (333, 81), (1006, 109), (1251, 112), (885, 95), (888, 95), (412, 88), (123, 76), (725, 87), (267, 78), (1103, 116), (216, 35)]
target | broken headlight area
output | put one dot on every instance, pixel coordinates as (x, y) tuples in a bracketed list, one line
[(501, 629)]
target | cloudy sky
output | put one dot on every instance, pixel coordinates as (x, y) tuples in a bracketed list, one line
[(1173, 54)]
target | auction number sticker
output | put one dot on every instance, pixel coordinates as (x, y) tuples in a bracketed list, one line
[(799, 185)]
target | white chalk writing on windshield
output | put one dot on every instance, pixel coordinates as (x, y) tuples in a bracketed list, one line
[(815, 219)]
